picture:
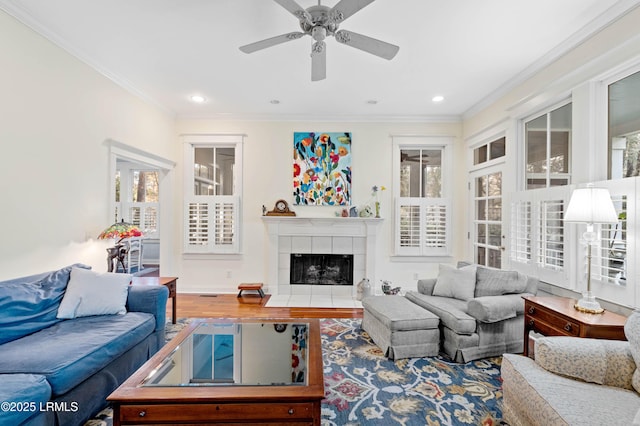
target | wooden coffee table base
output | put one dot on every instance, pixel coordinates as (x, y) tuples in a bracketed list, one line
[(295, 404)]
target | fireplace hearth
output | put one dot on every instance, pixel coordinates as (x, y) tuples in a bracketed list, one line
[(321, 269)]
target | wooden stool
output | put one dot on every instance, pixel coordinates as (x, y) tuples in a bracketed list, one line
[(251, 286)]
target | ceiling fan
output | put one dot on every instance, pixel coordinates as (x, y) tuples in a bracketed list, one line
[(322, 21)]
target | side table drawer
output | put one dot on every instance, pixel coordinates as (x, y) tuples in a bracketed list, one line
[(549, 323), (170, 413)]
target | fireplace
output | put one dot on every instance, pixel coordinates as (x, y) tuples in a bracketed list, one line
[(354, 236), (321, 269)]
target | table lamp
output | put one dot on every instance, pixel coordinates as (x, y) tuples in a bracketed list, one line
[(590, 205)]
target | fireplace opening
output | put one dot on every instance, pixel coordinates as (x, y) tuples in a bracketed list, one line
[(321, 269)]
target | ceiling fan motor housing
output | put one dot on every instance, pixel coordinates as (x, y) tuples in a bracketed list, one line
[(319, 19)]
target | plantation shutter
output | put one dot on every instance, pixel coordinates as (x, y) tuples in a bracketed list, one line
[(212, 225), (423, 226), (521, 217)]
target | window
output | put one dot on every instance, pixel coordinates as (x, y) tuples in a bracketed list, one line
[(489, 151), (422, 211), (547, 147), (213, 193), (624, 127)]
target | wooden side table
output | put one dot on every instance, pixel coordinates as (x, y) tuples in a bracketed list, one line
[(556, 316), (169, 282)]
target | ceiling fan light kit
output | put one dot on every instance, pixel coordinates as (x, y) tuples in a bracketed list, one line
[(322, 21)]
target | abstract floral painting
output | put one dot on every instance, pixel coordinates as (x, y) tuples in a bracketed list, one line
[(322, 168)]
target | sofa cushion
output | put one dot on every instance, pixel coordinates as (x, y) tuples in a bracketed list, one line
[(496, 282), (591, 360), (399, 314), (632, 333), (93, 293), (456, 283), (71, 351), (490, 309), (29, 304), (452, 312), (27, 391)]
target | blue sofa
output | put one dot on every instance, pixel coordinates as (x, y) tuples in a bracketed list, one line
[(59, 372)]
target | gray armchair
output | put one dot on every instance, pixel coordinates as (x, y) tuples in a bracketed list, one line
[(481, 310)]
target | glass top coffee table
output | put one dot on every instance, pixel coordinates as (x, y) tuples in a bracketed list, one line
[(229, 370)]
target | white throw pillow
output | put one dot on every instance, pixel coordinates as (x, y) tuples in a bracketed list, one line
[(92, 293), (456, 283)]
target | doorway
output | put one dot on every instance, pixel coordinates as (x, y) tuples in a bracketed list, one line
[(139, 188), (487, 237)]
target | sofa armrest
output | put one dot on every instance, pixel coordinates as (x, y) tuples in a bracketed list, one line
[(426, 285), (490, 309), (606, 362), (151, 299)]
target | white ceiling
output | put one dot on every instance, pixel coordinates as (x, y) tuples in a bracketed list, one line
[(466, 50)]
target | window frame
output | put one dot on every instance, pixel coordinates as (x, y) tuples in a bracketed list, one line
[(427, 205), (229, 207)]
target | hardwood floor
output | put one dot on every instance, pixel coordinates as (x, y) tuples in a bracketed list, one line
[(249, 306)]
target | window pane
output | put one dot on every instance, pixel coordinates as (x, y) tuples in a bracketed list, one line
[(495, 232), (482, 233), (480, 256), (481, 186), (494, 258), (481, 209), (480, 155), (203, 171), (624, 127), (225, 161), (495, 184), (536, 141), (495, 209), (432, 172), (497, 149), (410, 172)]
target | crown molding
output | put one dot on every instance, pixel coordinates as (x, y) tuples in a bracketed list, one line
[(19, 11), (339, 118), (610, 16)]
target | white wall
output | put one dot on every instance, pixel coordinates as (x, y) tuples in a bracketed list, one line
[(268, 174), (55, 115)]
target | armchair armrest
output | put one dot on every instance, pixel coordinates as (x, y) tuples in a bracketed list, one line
[(490, 309), (606, 362), (151, 299), (426, 285)]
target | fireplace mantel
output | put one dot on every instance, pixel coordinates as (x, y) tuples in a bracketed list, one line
[(338, 235)]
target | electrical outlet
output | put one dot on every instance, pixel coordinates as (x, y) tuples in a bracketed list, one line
[(228, 273), (415, 275)]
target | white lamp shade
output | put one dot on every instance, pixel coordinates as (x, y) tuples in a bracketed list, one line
[(591, 205)]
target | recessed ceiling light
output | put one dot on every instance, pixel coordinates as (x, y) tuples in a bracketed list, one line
[(274, 101), (437, 98), (372, 102), (198, 99)]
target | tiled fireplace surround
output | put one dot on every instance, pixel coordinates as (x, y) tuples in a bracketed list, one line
[(327, 235)]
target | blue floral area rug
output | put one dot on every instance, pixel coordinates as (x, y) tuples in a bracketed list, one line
[(363, 387)]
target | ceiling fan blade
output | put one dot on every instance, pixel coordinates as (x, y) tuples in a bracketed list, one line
[(319, 61), (368, 44), (295, 9), (263, 44), (346, 8)]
